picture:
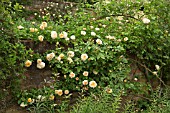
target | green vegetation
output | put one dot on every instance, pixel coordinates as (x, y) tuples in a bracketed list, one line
[(95, 45)]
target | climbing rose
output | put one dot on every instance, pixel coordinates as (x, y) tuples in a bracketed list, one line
[(146, 20), (53, 34), (108, 90), (59, 92), (41, 65), (40, 38), (50, 56), (93, 34), (125, 39), (84, 57), (157, 67), (85, 82), (73, 37), (92, 84), (71, 75), (70, 54), (83, 32), (66, 92), (86, 73), (98, 41), (28, 63), (20, 27), (33, 29), (44, 24)]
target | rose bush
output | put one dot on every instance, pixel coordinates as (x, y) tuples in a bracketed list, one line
[(93, 51)]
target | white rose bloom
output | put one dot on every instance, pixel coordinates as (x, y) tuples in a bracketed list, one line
[(107, 37), (107, 1), (119, 40), (41, 65), (39, 61), (42, 27), (71, 75), (73, 37), (70, 60), (61, 35), (85, 82), (95, 72), (23, 105), (104, 26), (33, 22), (65, 34), (70, 54), (97, 29), (85, 73), (93, 18), (61, 56), (91, 27), (108, 90), (66, 92), (84, 57), (39, 97), (93, 34), (155, 73), (107, 18), (58, 58), (33, 100), (92, 84), (43, 98), (57, 43), (157, 67), (67, 39), (135, 79), (28, 63), (120, 17), (146, 20), (98, 41), (83, 32), (40, 38), (50, 56), (59, 92), (44, 24), (110, 37), (53, 34), (125, 39), (20, 27)]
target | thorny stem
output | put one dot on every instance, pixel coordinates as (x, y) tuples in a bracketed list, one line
[(150, 71)]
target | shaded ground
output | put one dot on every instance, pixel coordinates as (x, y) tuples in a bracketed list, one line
[(15, 109)]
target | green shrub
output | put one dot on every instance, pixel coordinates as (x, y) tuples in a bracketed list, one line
[(148, 42), (94, 49), (11, 55)]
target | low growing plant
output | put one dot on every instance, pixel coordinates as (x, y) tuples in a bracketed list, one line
[(102, 103)]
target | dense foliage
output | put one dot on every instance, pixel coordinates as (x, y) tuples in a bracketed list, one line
[(95, 45), (11, 55)]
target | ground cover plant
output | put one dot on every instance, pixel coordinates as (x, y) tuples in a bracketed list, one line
[(93, 51)]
